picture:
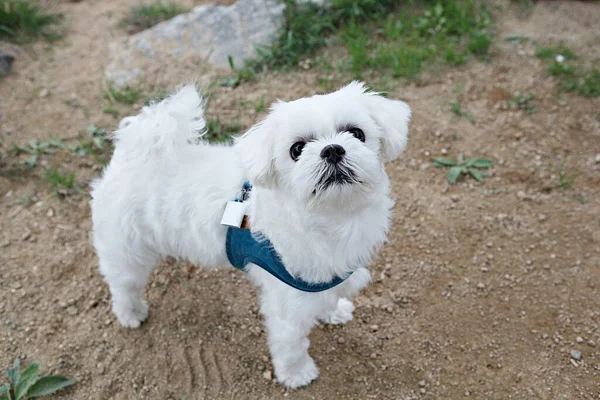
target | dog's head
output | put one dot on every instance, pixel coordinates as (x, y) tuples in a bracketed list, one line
[(326, 147)]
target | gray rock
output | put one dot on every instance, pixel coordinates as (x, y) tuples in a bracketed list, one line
[(576, 355), (209, 33), (6, 62)]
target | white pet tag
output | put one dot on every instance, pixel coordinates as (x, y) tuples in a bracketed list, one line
[(234, 214)]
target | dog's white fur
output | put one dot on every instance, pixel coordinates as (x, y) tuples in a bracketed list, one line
[(164, 192)]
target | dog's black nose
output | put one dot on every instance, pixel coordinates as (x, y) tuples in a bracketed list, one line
[(333, 153)]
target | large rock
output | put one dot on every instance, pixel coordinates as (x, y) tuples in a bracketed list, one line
[(208, 33)]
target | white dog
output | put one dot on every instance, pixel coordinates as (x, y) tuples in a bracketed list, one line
[(321, 198)]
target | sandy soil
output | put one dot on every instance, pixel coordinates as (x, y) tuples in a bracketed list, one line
[(483, 291)]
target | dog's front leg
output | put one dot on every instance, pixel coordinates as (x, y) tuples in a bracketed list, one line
[(289, 317)]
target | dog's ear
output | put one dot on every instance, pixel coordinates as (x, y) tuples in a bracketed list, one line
[(256, 153), (393, 117)]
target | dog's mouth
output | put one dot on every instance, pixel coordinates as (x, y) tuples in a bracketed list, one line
[(336, 176)]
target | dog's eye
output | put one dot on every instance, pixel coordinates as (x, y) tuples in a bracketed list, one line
[(296, 150), (358, 133)]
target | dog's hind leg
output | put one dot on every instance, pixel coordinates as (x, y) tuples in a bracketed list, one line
[(126, 279)]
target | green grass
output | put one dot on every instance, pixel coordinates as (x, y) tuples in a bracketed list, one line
[(111, 111), (524, 102), (565, 181), (381, 36), (461, 167), (26, 384), (126, 95), (144, 16), (25, 20), (457, 110), (94, 143), (570, 74), (61, 183), (218, 132), (552, 52)]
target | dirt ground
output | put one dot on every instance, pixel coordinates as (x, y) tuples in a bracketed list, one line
[(484, 289)]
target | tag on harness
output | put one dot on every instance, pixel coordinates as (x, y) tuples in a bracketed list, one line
[(234, 214)]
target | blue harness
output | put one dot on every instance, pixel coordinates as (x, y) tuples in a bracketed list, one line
[(242, 248)]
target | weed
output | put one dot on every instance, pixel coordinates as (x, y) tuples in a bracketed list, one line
[(461, 167), (216, 131), (94, 143), (492, 192), (553, 52), (23, 20), (479, 44), (414, 35), (524, 102), (156, 97), (147, 15), (517, 39), (457, 110), (111, 111), (124, 96), (564, 181), (590, 87), (36, 149), (246, 73), (61, 183), (23, 384), (260, 106)]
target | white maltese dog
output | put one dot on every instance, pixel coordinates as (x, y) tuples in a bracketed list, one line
[(320, 207)]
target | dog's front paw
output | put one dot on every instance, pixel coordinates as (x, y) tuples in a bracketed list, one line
[(300, 374), (342, 314), (131, 316)]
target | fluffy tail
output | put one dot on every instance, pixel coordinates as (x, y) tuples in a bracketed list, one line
[(164, 127)]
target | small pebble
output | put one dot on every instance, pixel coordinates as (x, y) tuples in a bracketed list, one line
[(579, 339), (374, 328), (422, 383), (268, 374), (576, 354), (72, 310)]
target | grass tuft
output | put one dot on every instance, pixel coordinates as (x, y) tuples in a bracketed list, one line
[(124, 96), (147, 15), (398, 38), (25, 20), (219, 132)]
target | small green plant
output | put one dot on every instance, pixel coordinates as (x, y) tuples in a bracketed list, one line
[(94, 143), (565, 181), (144, 16), (216, 131), (460, 167), (124, 96), (36, 149), (457, 110), (156, 97), (260, 106), (553, 52), (26, 383), (246, 73), (23, 20), (111, 111), (61, 183), (572, 77), (524, 102)]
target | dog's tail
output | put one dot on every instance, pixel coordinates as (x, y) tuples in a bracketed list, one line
[(164, 127)]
